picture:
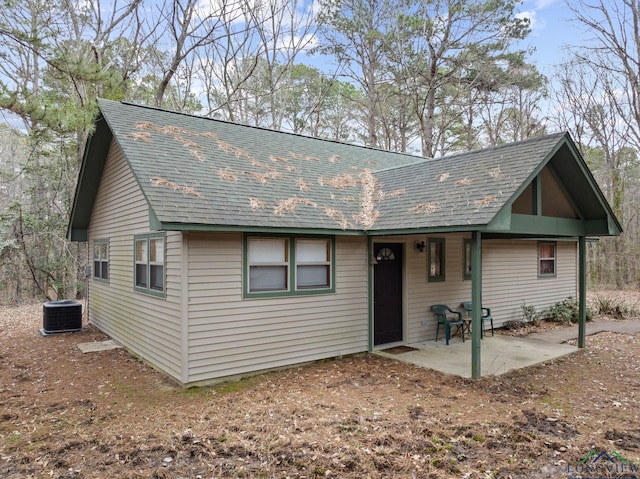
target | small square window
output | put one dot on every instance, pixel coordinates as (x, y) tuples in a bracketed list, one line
[(436, 260), (546, 259)]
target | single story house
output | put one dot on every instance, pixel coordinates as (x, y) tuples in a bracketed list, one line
[(220, 250)]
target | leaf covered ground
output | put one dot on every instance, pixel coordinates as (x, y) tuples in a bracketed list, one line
[(65, 414)]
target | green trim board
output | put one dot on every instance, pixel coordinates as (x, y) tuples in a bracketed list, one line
[(544, 225), (370, 299), (582, 292), (476, 301), (157, 225), (537, 195), (89, 176)]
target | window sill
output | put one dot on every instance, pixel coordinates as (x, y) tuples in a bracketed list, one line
[(280, 294)]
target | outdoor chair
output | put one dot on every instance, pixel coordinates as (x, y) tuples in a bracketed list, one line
[(485, 316), (443, 313)]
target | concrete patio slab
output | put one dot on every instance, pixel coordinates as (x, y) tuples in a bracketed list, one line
[(98, 346), (499, 354)]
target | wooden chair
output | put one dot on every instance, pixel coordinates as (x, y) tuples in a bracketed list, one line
[(485, 316), (442, 313)]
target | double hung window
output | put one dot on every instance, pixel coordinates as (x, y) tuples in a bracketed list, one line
[(288, 265), (546, 259), (268, 264), (101, 259), (150, 264), (313, 263)]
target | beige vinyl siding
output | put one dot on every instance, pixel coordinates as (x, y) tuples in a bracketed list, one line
[(422, 294), (229, 335), (148, 326), (510, 278), (418, 321)]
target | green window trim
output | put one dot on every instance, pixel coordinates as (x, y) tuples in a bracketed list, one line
[(436, 260), (149, 264), (101, 260), (288, 265), (547, 259), (466, 259)]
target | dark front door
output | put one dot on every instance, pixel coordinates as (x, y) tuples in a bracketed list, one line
[(387, 293)]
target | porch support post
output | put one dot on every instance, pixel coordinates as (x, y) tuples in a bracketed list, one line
[(476, 298), (582, 291), (370, 291)]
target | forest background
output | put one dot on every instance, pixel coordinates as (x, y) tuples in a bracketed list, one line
[(429, 77)]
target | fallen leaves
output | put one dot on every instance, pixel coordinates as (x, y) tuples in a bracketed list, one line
[(427, 208), (108, 415), (185, 189)]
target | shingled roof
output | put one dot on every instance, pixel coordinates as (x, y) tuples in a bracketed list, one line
[(198, 172), (464, 190)]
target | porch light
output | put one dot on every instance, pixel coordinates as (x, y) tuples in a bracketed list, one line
[(420, 246)]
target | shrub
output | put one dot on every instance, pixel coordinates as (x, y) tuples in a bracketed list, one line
[(513, 325), (529, 314), (566, 311), (609, 306)]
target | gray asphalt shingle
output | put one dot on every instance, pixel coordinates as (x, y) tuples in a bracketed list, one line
[(199, 171)]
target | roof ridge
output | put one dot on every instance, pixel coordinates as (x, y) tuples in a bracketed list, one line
[(261, 128), (558, 134), (472, 152)]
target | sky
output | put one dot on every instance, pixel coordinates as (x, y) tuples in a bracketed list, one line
[(551, 31)]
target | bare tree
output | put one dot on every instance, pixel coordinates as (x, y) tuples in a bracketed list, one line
[(227, 65), (248, 75), (189, 28), (57, 57), (589, 106), (600, 90), (615, 53)]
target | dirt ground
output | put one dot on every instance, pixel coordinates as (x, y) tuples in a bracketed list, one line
[(64, 414)]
